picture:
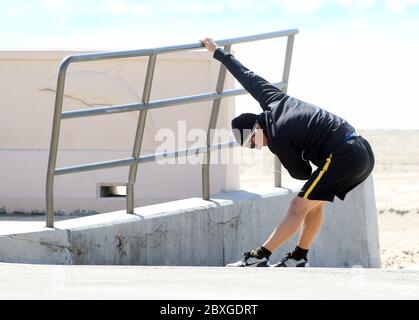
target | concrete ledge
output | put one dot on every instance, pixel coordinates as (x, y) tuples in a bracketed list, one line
[(194, 232), (203, 283)]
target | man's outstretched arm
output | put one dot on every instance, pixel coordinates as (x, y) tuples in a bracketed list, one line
[(259, 88)]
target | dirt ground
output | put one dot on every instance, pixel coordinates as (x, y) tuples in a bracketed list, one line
[(396, 183)]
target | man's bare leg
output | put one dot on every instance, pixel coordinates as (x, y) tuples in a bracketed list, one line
[(297, 212), (311, 227)]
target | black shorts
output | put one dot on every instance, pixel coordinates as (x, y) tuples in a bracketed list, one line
[(348, 166)]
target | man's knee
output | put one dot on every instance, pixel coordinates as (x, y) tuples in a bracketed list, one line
[(303, 206)]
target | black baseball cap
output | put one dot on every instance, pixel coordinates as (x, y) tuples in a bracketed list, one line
[(243, 126)]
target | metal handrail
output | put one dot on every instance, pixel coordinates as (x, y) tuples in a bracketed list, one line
[(158, 103), (144, 107)]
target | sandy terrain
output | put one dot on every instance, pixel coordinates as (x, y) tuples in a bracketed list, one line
[(396, 182)]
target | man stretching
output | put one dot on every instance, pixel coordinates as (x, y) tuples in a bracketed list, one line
[(298, 133)]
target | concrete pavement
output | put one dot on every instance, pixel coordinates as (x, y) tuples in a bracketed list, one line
[(19, 281)]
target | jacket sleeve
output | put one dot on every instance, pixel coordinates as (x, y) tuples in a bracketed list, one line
[(264, 92), (297, 167)]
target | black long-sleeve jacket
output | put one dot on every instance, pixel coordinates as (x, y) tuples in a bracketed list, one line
[(297, 131)]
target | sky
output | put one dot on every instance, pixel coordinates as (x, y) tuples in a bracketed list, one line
[(355, 58)]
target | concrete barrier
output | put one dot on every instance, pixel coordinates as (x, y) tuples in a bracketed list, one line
[(194, 232)]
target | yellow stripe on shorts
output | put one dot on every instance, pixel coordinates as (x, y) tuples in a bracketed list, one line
[(326, 166)]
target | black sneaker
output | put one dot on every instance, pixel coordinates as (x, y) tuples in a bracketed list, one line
[(250, 260), (290, 262)]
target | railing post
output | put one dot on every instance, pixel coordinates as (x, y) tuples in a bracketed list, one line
[(211, 127), (140, 133), (285, 79), (55, 135)]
